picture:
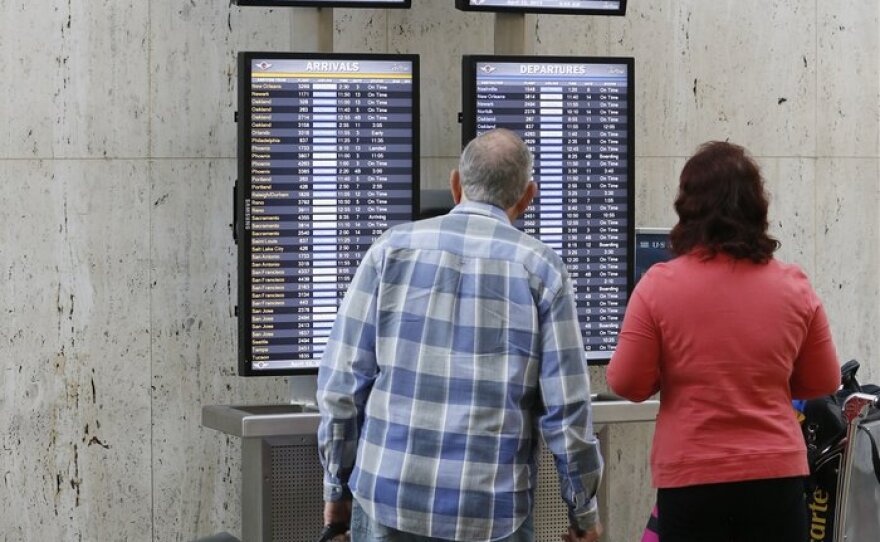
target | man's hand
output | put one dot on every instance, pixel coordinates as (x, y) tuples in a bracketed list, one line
[(337, 519), (589, 536), (337, 512)]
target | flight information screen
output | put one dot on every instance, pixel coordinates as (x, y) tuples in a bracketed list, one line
[(583, 7), (576, 116), (329, 3), (328, 148)]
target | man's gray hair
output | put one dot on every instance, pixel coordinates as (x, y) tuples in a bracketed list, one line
[(495, 168)]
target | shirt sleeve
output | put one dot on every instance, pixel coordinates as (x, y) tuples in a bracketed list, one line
[(816, 369), (345, 378), (634, 371), (566, 423)]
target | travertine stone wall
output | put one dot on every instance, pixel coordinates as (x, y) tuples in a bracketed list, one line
[(117, 156)]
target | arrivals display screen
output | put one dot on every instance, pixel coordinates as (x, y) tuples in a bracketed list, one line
[(576, 116), (329, 3), (328, 160), (576, 7)]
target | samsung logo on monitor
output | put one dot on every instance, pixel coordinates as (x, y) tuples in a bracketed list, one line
[(330, 66)]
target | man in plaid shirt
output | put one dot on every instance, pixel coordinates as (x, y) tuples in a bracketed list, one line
[(456, 349)]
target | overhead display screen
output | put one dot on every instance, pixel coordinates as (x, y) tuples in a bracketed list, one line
[(328, 160), (582, 7), (576, 116), (329, 3)]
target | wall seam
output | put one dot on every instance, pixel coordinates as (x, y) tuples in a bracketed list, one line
[(150, 151)]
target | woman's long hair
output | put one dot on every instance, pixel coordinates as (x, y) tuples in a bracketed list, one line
[(722, 206)]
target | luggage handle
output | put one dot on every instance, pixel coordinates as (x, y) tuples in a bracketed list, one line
[(855, 408), (848, 375)]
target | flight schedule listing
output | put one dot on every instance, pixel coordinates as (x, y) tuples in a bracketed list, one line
[(327, 3), (600, 5), (575, 118), (331, 168)]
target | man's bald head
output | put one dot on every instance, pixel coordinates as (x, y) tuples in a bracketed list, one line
[(495, 168)]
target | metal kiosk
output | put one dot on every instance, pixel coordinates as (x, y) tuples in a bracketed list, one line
[(281, 484)]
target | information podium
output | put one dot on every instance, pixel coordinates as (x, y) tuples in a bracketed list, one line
[(282, 479)]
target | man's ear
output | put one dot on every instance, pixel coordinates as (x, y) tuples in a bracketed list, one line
[(455, 185), (526, 199)]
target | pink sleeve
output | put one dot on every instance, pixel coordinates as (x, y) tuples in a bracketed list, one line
[(634, 372), (816, 369)]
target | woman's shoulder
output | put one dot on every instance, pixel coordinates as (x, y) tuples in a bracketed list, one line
[(661, 276), (790, 271), (792, 282)]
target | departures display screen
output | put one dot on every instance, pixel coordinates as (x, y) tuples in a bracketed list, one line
[(329, 3), (576, 115), (582, 7), (328, 160)]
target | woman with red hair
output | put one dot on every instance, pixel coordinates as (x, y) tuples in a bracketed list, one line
[(729, 336)]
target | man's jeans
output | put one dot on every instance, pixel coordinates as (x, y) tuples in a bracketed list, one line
[(366, 529)]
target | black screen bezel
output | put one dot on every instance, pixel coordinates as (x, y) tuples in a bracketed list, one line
[(463, 5), (469, 131), (405, 4), (243, 194)]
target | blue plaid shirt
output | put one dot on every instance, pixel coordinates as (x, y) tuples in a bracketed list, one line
[(456, 347)]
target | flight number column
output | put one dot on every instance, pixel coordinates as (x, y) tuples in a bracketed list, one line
[(549, 157), (326, 103)]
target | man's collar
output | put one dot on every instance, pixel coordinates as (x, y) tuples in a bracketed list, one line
[(485, 209)]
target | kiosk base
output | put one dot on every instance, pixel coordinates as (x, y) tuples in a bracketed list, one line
[(282, 478)]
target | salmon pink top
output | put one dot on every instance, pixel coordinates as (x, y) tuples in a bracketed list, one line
[(728, 343)]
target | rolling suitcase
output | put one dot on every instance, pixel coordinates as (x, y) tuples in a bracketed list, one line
[(862, 513), (842, 431)]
